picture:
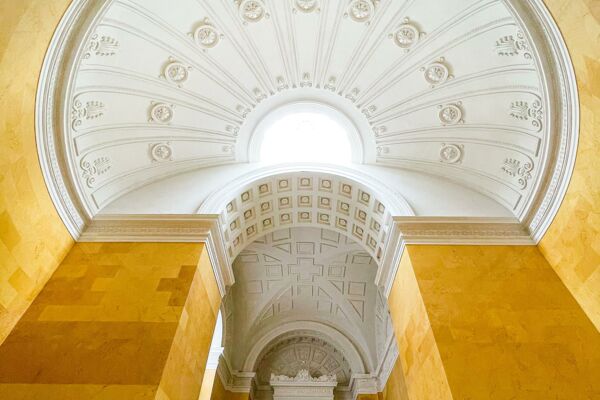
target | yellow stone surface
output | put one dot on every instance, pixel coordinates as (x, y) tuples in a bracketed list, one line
[(33, 240), (395, 388), (220, 393), (419, 356), (184, 372), (503, 323), (572, 245), (207, 384), (116, 320)]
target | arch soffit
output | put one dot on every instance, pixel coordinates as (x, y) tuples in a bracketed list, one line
[(331, 198)]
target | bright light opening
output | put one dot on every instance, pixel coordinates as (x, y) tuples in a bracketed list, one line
[(306, 137)]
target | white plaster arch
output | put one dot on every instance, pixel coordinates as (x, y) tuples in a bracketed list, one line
[(392, 199), (312, 196)]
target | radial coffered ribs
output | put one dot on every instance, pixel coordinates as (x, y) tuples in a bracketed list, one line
[(455, 93)]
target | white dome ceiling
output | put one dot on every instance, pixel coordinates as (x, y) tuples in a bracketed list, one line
[(148, 106)]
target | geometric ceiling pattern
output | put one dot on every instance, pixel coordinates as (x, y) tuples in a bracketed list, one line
[(304, 199), (306, 274)]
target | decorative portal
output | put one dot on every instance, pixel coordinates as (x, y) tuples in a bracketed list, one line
[(303, 386), (451, 114)]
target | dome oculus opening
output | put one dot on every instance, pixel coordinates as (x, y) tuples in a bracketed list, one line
[(306, 137)]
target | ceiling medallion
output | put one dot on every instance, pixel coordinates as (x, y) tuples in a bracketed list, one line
[(161, 113), (206, 35), (407, 35), (451, 114), (307, 6), (252, 10), (437, 73), (362, 10), (161, 152), (176, 72), (451, 153)]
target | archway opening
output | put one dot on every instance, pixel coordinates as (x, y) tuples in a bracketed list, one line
[(307, 132)]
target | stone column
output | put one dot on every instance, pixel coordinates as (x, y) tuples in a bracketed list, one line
[(116, 321), (490, 322)]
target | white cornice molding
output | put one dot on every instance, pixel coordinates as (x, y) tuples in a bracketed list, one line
[(234, 381), (465, 231), (166, 229), (561, 82)]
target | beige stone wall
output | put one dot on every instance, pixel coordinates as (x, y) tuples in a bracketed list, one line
[(116, 321), (502, 321), (33, 240), (572, 245)]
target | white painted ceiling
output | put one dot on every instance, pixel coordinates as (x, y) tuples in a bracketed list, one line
[(306, 275), (443, 94)]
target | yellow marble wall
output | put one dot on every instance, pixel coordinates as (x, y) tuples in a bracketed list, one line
[(419, 356), (503, 322), (220, 393), (395, 388), (184, 372), (572, 245), (368, 397), (115, 321), (207, 384), (33, 240)]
